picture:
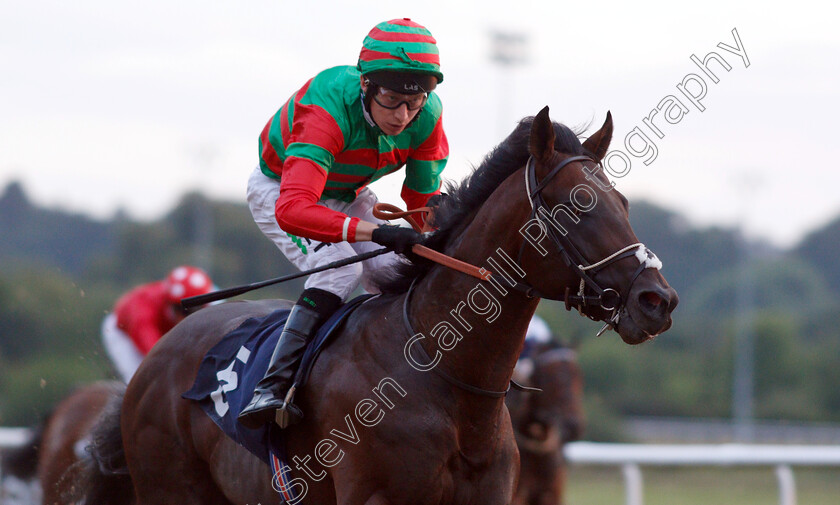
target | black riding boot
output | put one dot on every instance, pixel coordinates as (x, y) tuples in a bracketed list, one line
[(272, 400)]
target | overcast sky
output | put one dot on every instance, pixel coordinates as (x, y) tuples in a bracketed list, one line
[(107, 105)]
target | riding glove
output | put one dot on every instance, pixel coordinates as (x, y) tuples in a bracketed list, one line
[(396, 238)]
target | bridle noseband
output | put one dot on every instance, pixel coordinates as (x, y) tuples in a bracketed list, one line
[(608, 299)]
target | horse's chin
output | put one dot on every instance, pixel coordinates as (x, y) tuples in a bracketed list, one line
[(633, 333), (630, 332), (634, 337)]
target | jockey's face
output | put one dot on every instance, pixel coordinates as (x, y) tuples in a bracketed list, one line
[(393, 121)]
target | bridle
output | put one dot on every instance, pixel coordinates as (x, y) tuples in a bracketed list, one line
[(608, 299)]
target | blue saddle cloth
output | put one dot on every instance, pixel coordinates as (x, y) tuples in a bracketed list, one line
[(231, 370)]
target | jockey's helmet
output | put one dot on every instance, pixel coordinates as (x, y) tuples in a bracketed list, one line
[(402, 56), (186, 281)]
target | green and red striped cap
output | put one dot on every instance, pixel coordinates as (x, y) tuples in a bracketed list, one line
[(400, 45)]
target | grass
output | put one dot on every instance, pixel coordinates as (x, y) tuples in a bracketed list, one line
[(604, 485)]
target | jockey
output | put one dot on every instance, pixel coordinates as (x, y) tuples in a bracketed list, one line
[(144, 314), (538, 333), (345, 128)]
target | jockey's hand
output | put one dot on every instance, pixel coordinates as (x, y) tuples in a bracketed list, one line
[(396, 238)]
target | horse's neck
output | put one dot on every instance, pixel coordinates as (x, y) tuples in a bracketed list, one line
[(492, 324)]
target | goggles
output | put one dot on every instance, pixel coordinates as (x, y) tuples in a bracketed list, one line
[(393, 100)]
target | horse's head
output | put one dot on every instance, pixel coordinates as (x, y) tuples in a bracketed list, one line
[(560, 405), (578, 219)]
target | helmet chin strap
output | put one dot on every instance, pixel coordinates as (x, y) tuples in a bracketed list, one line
[(365, 111)]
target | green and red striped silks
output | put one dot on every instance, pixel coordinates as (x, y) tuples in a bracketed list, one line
[(324, 123)]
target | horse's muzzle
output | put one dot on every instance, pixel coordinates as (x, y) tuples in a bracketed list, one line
[(647, 312)]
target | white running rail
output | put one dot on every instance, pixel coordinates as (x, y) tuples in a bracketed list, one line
[(632, 456), (12, 490), (13, 437)]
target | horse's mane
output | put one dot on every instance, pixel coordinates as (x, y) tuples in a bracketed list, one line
[(464, 199)]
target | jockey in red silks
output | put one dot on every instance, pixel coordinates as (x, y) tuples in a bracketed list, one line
[(144, 314), (345, 128)]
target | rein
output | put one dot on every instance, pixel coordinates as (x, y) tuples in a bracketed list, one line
[(608, 298), (389, 212)]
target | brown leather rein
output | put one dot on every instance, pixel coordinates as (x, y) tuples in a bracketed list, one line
[(389, 212)]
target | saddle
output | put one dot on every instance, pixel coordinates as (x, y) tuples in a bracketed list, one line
[(231, 369)]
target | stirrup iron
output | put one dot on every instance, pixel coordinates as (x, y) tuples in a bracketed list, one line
[(282, 416)]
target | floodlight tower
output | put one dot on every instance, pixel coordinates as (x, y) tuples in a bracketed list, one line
[(742, 382), (743, 376), (508, 50), (204, 157)]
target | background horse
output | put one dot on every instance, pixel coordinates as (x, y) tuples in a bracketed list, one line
[(385, 425), (18, 469), (544, 422), (59, 443)]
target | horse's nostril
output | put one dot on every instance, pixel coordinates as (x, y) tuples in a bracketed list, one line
[(657, 303), (650, 300)]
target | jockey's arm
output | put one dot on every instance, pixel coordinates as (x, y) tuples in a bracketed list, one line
[(139, 324), (146, 337), (364, 230), (297, 210)]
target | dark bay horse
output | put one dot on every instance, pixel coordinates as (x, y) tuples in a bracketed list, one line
[(57, 445), (543, 423), (386, 425)]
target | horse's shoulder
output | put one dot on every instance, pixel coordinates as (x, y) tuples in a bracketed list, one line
[(365, 350), (373, 331)]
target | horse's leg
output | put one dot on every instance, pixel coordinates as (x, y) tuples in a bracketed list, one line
[(66, 434)]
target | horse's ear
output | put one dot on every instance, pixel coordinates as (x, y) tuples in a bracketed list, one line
[(599, 142), (541, 142)]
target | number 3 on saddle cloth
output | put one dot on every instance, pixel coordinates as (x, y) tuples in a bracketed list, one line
[(230, 371)]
